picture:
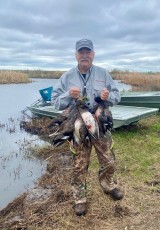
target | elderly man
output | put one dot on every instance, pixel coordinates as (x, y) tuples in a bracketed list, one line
[(90, 81)]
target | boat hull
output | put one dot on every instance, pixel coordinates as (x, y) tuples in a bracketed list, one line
[(141, 99)]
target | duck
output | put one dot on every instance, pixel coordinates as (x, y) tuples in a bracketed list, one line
[(65, 128), (79, 126), (103, 115)]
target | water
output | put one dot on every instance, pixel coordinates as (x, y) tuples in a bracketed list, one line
[(18, 172), (122, 87)]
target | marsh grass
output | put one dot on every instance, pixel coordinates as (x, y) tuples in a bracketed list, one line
[(44, 74), (139, 81), (13, 77)]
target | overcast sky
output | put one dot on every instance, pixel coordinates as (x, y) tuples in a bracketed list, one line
[(41, 34)]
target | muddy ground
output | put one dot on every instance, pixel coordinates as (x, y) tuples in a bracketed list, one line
[(50, 205)]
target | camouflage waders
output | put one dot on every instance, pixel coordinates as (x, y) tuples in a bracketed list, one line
[(103, 148)]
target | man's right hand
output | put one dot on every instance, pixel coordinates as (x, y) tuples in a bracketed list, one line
[(74, 92)]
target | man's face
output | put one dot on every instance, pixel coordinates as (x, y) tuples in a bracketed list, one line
[(85, 58)]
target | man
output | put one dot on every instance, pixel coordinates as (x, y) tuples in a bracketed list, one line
[(90, 81)]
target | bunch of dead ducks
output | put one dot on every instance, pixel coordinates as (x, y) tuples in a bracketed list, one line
[(79, 125)]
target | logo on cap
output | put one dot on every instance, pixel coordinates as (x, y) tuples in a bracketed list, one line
[(84, 43)]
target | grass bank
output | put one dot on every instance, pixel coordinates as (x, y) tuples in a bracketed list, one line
[(137, 149), (13, 77), (139, 81)]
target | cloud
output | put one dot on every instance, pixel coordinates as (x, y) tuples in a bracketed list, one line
[(41, 34)]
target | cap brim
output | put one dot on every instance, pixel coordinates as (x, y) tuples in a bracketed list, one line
[(81, 47)]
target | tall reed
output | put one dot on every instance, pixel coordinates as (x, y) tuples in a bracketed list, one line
[(139, 81), (44, 74), (10, 77)]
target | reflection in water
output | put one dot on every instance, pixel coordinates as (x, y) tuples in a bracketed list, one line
[(19, 171)]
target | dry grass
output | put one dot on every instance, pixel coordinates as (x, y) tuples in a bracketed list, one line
[(139, 81), (44, 74), (13, 77)]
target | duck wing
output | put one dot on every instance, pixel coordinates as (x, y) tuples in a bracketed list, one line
[(61, 117)]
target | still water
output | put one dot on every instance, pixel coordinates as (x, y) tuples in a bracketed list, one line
[(18, 172)]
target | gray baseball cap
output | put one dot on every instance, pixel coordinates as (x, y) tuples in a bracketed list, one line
[(84, 43)]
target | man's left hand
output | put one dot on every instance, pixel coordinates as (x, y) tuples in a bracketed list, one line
[(104, 94)]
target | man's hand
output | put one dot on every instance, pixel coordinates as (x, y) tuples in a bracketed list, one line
[(74, 92), (104, 94)]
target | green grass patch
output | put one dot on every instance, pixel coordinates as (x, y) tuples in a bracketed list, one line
[(138, 148)]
